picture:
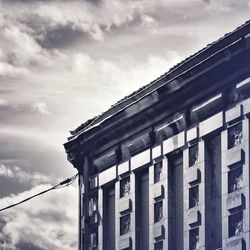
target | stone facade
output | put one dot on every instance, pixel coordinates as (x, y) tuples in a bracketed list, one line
[(170, 170)]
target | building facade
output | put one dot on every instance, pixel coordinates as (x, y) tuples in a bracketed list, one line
[(168, 166)]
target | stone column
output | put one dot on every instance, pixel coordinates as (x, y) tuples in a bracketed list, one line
[(158, 200), (235, 179), (194, 192)]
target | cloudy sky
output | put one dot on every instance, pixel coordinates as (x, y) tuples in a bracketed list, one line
[(64, 61)]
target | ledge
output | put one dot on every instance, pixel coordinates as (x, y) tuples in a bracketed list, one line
[(125, 242)]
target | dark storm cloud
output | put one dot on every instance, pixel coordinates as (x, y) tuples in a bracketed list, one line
[(11, 186), (13, 110), (6, 91), (61, 37), (24, 245), (33, 153), (22, 113), (51, 216), (14, 179), (35, 1), (2, 223), (26, 1), (95, 2), (33, 156), (51, 35)]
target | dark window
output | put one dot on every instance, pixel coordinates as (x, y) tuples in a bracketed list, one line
[(142, 210), (124, 224), (92, 205), (235, 179), (235, 135), (213, 169), (176, 197), (194, 239), (193, 196), (83, 202), (235, 224), (82, 238), (158, 245), (158, 172), (109, 217), (193, 155), (93, 240), (124, 187), (158, 211)]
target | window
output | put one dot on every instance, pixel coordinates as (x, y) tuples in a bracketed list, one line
[(93, 240), (124, 224), (158, 172), (92, 205), (193, 196), (158, 245), (235, 224), (194, 239), (235, 179), (124, 187), (193, 155), (158, 211), (235, 135)]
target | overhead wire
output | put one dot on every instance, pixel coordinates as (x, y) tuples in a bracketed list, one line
[(67, 182), (62, 184)]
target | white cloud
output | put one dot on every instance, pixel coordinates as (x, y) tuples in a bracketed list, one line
[(41, 107), (20, 50), (3, 102), (24, 23), (79, 14), (20, 46), (6, 172), (148, 21), (48, 221), (82, 64), (9, 70), (122, 76), (82, 80), (25, 177), (87, 16)]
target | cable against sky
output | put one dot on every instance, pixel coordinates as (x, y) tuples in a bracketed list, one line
[(62, 184)]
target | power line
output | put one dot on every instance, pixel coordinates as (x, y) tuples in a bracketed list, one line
[(62, 184)]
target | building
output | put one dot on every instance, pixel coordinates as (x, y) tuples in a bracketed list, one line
[(168, 166)]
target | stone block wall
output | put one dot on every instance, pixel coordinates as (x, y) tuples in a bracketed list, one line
[(199, 171)]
